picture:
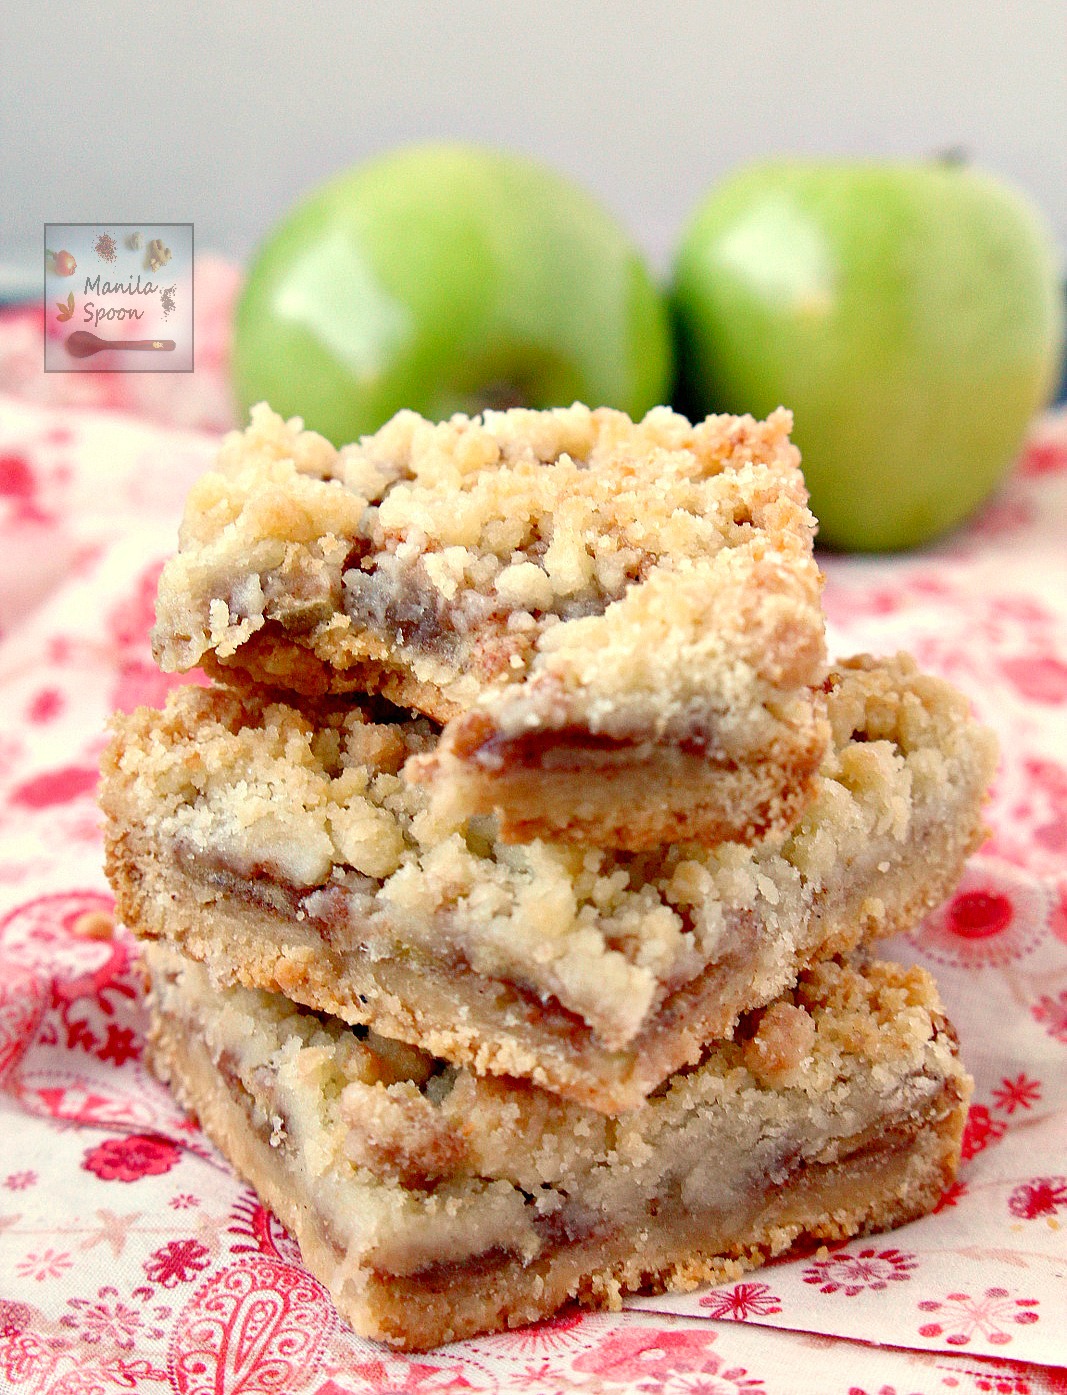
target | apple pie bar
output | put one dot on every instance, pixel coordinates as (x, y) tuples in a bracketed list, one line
[(616, 623), (284, 846), (436, 1204)]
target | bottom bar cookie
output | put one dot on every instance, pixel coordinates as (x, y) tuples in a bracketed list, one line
[(436, 1204)]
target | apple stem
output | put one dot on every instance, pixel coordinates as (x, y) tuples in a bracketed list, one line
[(497, 397), (954, 155)]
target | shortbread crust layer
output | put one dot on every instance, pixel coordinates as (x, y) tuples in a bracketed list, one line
[(435, 1204), (291, 854), (630, 609)]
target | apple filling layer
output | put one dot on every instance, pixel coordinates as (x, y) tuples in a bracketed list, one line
[(641, 595), (435, 1203), (287, 849)]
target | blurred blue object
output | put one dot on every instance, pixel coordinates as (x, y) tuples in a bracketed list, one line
[(18, 286)]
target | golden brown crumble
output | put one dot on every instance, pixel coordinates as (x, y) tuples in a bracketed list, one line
[(783, 1040)]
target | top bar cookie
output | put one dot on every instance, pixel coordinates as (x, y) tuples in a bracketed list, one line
[(618, 623)]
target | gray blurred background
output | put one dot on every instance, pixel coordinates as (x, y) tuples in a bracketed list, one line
[(130, 111)]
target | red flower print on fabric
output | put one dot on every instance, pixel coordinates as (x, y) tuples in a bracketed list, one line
[(1052, 1014), (1039, 816), (130, 622), (14, 1317), (1041, 1196), (131, 1158), (998, 520), (24, 1357), (54, 787), (393, 1374), (120, 1045), (961, 1317), (1058, 919), (19, 1181), (741, 1302), (1043, 458), (1020, 1093), (138, 682), (882, 1390), (975, 915), (20, 486), (45, 706), (851, 1274), (650, 1356), (951, 1196), (1037, 677), (1051, 837), (110, 1322), (48, 1264), (177, 1262), (995, 918), (16, 477), (980, 1131), (842, 604), (551, 1337)]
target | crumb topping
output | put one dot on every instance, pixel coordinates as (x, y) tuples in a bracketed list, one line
[(476, 553), (783, 1041)]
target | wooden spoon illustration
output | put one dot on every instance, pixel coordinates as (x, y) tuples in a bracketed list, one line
[(82, 344)]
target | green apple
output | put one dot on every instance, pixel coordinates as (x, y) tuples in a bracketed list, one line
[(909, 314), (448, 278)]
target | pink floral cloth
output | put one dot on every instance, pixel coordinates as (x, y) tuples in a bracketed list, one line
[(132, 1259)]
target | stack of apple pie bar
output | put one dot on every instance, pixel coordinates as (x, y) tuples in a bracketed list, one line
[(507, 895)]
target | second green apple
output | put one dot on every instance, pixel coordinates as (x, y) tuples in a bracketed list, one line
[(910, 314)]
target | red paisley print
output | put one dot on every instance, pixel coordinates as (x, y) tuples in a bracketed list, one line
[(256, 1328)]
